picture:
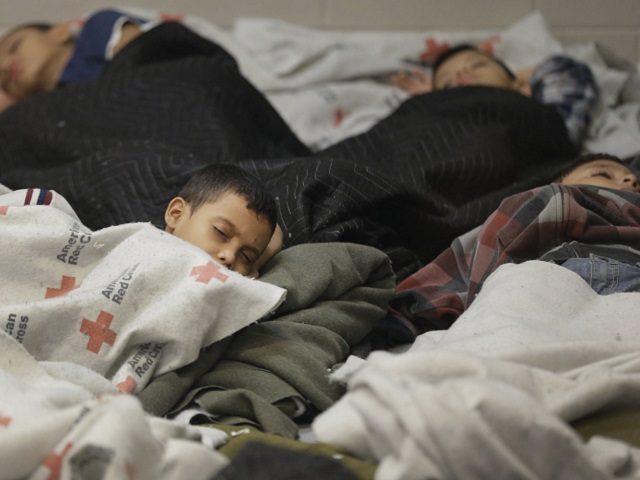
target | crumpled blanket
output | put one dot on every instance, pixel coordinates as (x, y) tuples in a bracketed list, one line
[(278, 370), (525, 227), (128, 302), (489, 397), (330, 85), (54, 427)]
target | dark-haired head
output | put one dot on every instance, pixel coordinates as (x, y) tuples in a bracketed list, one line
[(463, 47), (588, 158), (213, 181), (466, 64), (33, 56), (601, 170), (229, 214)]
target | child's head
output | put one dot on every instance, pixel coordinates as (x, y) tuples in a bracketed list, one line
[(32, 58), (467, 65), (228, 213), (602, 170)]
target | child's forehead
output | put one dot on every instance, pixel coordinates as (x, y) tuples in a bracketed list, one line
[(226, 196), (6, 37), (465, 55), (603, 163)]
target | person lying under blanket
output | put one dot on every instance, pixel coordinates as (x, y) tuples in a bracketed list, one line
[(560, 81), (40, 57), (588, 222), (228, 213)]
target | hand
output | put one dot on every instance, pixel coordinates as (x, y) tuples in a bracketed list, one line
[(274, 246), (414, 82)]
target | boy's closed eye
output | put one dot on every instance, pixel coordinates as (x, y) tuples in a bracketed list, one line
[(221, 232), (246, 255), (248, 258)]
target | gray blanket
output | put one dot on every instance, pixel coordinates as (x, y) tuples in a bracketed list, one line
[(276, 370)]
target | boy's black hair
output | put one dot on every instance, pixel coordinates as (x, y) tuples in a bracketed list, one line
[(463, 47), (208, 184)]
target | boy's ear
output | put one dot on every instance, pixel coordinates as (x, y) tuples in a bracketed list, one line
[(177, 209), (61, 33)]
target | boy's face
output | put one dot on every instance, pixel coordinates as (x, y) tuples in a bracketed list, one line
[(471, 68), (603, 173), (225, 228), (26, 60)]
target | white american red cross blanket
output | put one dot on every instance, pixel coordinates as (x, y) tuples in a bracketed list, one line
[(52, 428), (128, 302)]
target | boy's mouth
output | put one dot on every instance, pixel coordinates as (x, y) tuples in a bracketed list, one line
[(10, 76)]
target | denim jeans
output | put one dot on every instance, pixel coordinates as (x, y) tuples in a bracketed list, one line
[(606, 275)]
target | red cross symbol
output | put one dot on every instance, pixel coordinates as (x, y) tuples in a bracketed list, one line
[(338, 117), (66, 285), (98, 331), (3, 209), (206, 272), (127, 386), (5, 421), (433, 49), (54, 462)]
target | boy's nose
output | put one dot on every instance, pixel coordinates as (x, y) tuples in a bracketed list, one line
[(227, 258), (463, 76)]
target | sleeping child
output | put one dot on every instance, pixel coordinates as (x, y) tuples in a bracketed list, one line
[(559, 81), (37, 58), (230, 215), (588, 222), (222, 209)]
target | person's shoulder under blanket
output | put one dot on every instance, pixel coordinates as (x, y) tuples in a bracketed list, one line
[(93, 45), (524, 227)]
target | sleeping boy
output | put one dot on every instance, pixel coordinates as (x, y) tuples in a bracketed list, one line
[(601, 170), (559, 81), (229, 214), (37, 58), (588, 222)]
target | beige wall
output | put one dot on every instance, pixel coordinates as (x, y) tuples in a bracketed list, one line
[(615, 23)]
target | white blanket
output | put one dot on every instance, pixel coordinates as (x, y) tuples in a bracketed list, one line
[(330, 85), (127, 302), (86, 314), (314, 72), (488, 397), (52, 428)]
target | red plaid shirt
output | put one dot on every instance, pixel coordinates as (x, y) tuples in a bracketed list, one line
[(524, 227)]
